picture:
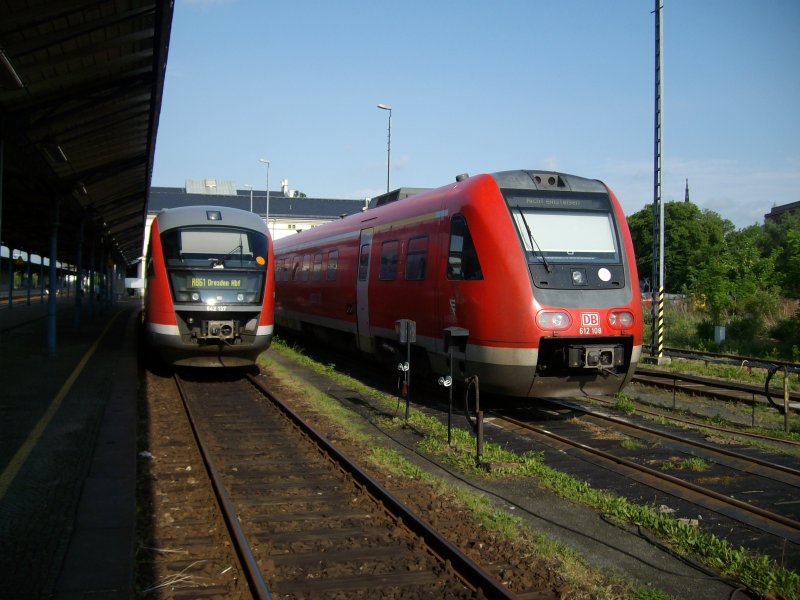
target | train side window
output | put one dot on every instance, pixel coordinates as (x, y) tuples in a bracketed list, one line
[(316, 274), (333, 264), (363, 262), (416, 258), (306, 267), (388, 271), (295, 268), (462, 262)]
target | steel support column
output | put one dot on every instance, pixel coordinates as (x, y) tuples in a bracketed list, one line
[(79, 276), (657, 314), (28, 278), (10, 277), (53, 296), (92, 275)]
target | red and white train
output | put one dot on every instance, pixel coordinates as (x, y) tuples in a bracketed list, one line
[(210, 293), (537, 266)]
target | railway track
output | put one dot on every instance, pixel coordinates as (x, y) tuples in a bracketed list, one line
[(759, 495), (706, 425), (311, 523), (706, 386)]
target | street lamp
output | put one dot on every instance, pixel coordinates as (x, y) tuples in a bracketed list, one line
[(266, 162), (251, 196), (388, 144)]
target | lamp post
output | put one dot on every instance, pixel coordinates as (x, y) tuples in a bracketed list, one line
[(251, 196), (388, 144), (266, 162)]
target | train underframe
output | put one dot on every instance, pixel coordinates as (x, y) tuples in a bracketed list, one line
[(216, 339)]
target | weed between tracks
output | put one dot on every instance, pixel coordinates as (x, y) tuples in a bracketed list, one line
[(758, 572)]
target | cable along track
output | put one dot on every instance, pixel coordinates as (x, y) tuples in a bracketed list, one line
[(318, 525), (782, 525)]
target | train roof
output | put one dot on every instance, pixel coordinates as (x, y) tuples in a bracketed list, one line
[(547, 180), (221, 216), (403, 197)]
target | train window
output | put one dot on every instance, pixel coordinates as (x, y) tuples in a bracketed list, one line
[(363, 262), (333, 264), (462, 262), (568, 236), (295, 268), (416, 258), (216, 247), (388, 269), (316, 273), (306, 267)]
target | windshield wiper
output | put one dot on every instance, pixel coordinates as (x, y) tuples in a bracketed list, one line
[(533, 241), (219, 263)]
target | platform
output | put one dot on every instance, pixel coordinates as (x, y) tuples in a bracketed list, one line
[(68, 451)]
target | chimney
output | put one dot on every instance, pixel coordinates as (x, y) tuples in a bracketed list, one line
[(285, 187)]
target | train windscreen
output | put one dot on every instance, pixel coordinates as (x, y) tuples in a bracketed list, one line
[(580, 228), (215, 266)]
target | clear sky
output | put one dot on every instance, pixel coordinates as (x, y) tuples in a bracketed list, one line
[(482, 86)]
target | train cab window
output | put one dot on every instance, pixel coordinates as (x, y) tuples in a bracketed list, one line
[(462, 261), (363, 262), (316, 273), (217, 247), (388, 270), (306, 267), (333, 264), (416, 258)]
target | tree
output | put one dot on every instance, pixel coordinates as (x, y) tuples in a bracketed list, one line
[(738, 283), (784, 236), (690, 235)]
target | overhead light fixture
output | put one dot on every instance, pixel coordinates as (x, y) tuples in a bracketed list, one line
[(11, 75), (56, 153)]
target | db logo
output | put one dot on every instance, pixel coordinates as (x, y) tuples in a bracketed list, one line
[(590, 319)]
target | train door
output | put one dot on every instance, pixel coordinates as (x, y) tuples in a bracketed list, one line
[(362, 289)]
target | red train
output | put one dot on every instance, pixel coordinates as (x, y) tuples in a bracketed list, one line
[(537, 266), (210, 287)]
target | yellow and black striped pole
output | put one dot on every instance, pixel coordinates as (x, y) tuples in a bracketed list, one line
[(659, 350)]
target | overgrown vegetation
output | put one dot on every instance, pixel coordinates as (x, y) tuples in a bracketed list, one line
[(695, 464), (759, 572), (623, 403), (747, 280)]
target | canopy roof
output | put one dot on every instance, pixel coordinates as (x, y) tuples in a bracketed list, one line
[(80, 95)]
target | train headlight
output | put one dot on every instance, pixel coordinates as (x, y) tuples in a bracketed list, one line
[(553, 319), (620, 319), (195, 296)]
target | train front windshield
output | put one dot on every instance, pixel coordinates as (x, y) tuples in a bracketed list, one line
[(575, 229), (215, 266)]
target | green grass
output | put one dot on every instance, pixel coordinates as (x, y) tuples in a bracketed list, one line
[(759, 572), (632, 444), (695, 464), (624, 404)]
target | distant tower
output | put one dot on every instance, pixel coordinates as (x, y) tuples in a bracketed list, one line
[(686, 197)]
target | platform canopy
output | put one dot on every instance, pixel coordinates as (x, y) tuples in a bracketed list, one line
[(80, 94)]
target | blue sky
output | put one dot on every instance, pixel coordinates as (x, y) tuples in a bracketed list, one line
[(480, 86)]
